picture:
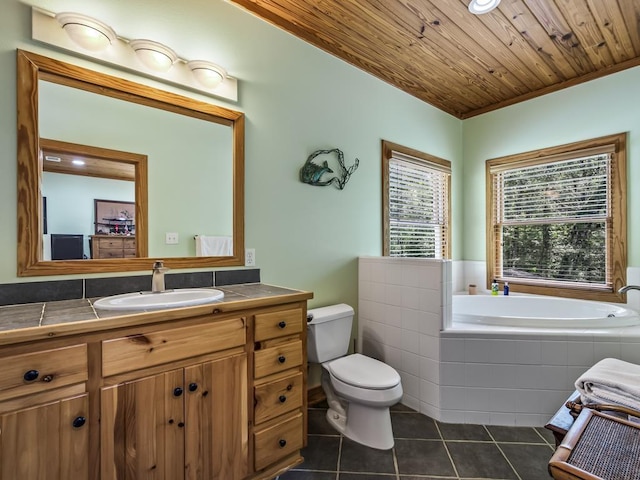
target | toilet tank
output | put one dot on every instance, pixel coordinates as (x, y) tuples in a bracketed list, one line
[(328, 332)]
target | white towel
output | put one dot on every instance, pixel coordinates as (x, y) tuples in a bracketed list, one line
[(207, 246), (611, 381)]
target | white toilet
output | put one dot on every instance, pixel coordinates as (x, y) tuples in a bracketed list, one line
[(359, 389)]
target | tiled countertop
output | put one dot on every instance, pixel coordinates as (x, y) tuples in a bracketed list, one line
[(26, 316)]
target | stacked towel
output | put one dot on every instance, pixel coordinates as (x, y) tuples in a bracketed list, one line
[(207, 246), (611, 381)]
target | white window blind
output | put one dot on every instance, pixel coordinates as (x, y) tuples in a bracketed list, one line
[(553, 220), (418, 204)]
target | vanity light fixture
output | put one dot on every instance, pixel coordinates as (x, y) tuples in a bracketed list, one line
[(88, 37), (207, 74), (87, 32), (478, 7), (154, 55)]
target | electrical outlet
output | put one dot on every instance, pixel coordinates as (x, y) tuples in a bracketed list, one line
[(250, 257), (171, 238)]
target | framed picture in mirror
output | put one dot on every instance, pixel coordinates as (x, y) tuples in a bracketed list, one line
[(114, 217)]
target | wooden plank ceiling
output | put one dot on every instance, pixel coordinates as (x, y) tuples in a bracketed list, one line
[(465, 64)]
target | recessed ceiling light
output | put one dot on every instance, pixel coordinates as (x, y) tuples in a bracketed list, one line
[(478, 7), (77, 162)]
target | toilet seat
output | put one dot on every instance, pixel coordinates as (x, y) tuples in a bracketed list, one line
[(363, 372)]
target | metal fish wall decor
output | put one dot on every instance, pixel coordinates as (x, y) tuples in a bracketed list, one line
[(313, 173)]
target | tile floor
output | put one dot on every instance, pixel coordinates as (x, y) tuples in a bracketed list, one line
[(426, 450)]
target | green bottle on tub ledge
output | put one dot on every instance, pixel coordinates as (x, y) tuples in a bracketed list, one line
[(495, 288)]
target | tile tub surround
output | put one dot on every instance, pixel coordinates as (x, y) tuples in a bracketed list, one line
[(493, 377), (507, 378), (56, 290), (403, 304)]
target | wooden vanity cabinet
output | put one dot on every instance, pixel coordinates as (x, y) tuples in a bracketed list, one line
[(46, 442), (44, 410), (211, 395), (182, 423), (280, 397), (187, 423)]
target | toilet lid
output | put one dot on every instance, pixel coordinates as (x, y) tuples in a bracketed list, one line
[(364, 372)]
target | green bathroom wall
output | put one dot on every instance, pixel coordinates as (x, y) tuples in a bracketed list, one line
[(297, 99), (601, 107)]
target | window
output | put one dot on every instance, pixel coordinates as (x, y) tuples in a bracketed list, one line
[(557, 220), (415, 192)]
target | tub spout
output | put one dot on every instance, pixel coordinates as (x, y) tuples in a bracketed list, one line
[(626, 288)]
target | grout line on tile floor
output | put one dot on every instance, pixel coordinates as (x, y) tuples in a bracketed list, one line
[(502, 453), (339, 456), (446, 448), (395, 462)]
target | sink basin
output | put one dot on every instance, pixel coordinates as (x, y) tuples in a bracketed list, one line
[(183, 297)]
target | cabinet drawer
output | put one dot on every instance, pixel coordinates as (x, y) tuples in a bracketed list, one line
[(39, 371), (276, 398), (129, 243), (278, 358), (110, 253), (134, 352), (277, 441), (109, 243), (278, 324)]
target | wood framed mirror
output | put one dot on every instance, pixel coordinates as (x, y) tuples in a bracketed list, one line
[(190, 194)]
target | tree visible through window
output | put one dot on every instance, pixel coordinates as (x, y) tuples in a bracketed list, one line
[(558, 219), (415, 203)]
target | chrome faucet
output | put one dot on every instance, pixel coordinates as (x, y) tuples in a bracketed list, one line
[(157, 277), (626, 288)]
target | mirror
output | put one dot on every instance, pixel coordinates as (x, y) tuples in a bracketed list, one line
[(187, 155), (78, 219)]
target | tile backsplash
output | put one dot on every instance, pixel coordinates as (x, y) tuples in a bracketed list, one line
[(55, 290)]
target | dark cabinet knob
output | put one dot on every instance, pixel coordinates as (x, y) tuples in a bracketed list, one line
[(177, 391), (79, 422), (31, 375), (282, 398), (282, 324), (282, 442), (289, 387), (193, 387), (180, 424), (282, 359)]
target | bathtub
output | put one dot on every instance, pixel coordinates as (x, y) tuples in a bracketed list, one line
[(539, 312)]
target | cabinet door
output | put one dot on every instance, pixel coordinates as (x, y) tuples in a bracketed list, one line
[(217, 437), (142, 429), (47, 442)]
